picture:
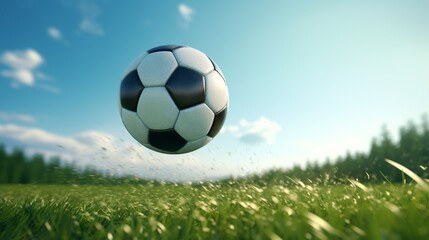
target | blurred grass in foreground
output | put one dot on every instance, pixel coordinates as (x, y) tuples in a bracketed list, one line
[(214, 211)]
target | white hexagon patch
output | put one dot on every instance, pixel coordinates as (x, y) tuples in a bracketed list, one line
[(216, 92), (155, 68), (193, 59), (135, 126), (195, 122), (156, 108)]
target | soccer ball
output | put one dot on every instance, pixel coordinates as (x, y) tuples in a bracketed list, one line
[(173, 99)]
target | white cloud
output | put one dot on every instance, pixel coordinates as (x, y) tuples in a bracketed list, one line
[(90, 14), (17, 117), (54, 33), (23, 76), (262, 130), (22, 65), (107, 153), (91, 26), (186, 12), (36, 136), (23, 69), (27, 59)]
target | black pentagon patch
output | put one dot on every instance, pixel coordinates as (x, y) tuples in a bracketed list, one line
[(218, 121), (168, 140), (169, 48), (186, 87), (131, 88)]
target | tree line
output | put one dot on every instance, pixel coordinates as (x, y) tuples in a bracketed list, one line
[(411, 150), (16, 167)]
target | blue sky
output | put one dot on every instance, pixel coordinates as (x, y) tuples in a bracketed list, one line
[(307, 80)]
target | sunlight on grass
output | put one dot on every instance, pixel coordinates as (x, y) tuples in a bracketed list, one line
[(296, 209), (359, 185), (214, 211)]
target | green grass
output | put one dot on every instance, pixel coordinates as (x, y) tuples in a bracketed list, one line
[(214, 211)]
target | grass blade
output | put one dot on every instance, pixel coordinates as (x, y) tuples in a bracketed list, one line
[(385, 177), (411, 174), (319, 223), (359, 185)]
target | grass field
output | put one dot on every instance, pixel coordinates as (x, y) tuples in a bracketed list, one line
[(214, 211)]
